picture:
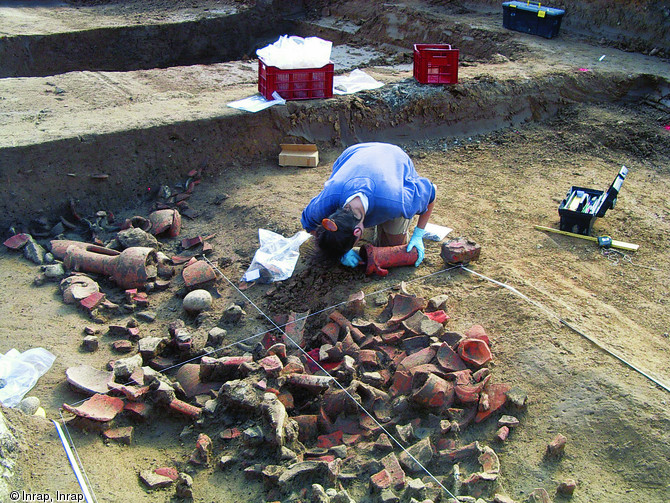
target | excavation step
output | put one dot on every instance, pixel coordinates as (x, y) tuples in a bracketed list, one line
[(50, 37)]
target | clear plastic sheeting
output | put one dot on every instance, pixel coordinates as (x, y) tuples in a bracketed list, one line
[(257, 102), (19, 372), (356, 81), (276, 258), (291, 52), (436, 232)]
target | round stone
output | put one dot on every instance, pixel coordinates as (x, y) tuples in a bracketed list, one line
[(29, 405), (197, 300)]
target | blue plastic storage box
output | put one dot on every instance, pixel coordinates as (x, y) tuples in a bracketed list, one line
[(533, 18)]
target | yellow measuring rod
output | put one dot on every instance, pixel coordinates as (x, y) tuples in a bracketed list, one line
[(615, 244)]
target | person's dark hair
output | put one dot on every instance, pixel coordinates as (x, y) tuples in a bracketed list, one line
[(334, 244)]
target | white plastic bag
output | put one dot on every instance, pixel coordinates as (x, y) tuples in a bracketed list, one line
[(436, 232), (276, 258), (19, 372), (296, 52)]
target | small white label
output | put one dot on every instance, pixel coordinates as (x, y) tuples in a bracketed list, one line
[(252, 275)]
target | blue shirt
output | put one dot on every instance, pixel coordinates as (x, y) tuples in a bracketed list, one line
[(384, 173)]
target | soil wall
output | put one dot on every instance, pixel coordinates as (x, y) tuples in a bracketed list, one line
[(112, 171), (636, 25), (127, 48), (639, 26)]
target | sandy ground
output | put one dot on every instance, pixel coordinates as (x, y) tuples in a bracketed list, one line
[(570, 316)]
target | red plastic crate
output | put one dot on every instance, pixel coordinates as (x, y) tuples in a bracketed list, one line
[(295, 84), (435, 64)]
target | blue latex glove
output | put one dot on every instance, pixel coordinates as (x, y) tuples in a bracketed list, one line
[(416, 241), (351, 259)]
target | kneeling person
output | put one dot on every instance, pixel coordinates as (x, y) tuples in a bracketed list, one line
[(372, 184)]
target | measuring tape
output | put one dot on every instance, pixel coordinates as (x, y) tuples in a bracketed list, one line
[(604, 241)]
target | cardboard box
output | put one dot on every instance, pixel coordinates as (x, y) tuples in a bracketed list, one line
[(302, 155)]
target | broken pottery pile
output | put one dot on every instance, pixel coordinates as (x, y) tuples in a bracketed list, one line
[(336, 411), (310, 415), (124, 251), (131, 261)]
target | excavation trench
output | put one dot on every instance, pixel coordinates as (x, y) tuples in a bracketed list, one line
[(118, 169), (125, 48), (528, 119), (76, 154), (228, 34)]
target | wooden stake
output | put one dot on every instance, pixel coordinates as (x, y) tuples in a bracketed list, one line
[(615, 244)]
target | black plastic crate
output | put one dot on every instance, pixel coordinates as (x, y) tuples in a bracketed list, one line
[(582, 206), (533, 18)]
